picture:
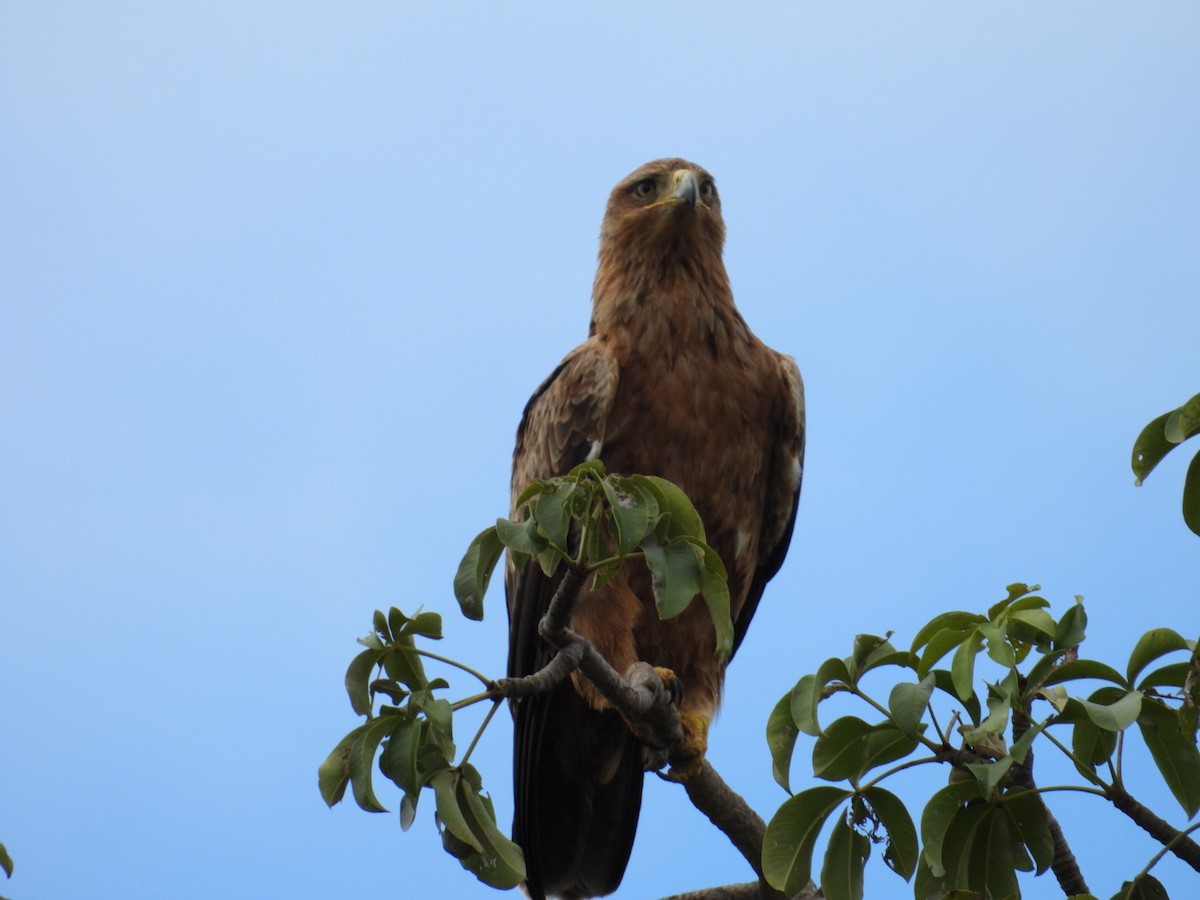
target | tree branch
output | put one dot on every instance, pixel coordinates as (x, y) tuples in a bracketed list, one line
[(650, 709), (1178, 842), (1064, 865)]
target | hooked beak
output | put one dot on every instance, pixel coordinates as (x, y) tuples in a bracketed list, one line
[(686, 189)]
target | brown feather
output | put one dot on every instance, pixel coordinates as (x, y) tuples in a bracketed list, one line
[(670, 382)]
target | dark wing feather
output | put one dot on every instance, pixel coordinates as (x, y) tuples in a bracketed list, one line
[(577, 772), (784, 475)]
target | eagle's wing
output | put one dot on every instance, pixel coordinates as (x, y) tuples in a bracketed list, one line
[(562, 426), (784, 473), (577, 772)]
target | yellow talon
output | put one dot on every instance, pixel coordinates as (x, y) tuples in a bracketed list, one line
[(687, 756)]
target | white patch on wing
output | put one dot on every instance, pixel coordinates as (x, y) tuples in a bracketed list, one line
[(797, 472), (743, 541)]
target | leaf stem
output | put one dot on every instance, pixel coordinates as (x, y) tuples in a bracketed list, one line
[(936, 727), (445, 659), (473, 699), (478, 734), (1058, 788), (895, 769), (1079, 764), (870, 701)]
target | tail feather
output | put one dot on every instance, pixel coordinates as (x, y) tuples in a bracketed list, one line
[(578, 792)]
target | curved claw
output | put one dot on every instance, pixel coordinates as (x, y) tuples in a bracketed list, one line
[(671, 682)]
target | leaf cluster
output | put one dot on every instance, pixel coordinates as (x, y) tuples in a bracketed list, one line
[(596, 522), (413, 736), (1162, 436), (989, 822)]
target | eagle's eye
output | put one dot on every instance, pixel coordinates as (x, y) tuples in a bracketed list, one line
[(708, 190), (645, 189)]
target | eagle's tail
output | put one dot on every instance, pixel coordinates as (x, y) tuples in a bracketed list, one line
[(577, 775)]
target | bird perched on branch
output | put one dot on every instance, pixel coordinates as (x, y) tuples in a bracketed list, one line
[(670, 382)]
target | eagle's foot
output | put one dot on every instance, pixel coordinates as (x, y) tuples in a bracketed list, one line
[(687, 757), (657, 728), (671, 682)]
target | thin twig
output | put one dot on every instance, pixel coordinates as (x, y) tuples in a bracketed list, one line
[(478, 734)]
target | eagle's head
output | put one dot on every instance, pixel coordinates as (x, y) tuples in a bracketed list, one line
[(665, 209)]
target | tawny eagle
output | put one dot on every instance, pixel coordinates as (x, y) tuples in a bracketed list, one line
[(670, 382)]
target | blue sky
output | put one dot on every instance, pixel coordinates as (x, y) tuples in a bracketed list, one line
[(277, 280)]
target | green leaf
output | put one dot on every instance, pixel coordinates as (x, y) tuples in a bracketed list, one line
[(501, 863), (1071, 627), (990, 775), (845, 858), (868, 648), (998, 648), (1115, 716), (1191, 495), (1027, 820), (362, 760), (962, 667), (1150, 646), (445, 790), (398, 761), (475, 571), (554, 513), (807, 694), (943, 682), (1037, 619), (950, 621), (1183, 422), (381, 628), (1091, 745), (714, 588), (634, 511), (358, 676), (1033, 601), (333, 775), (426, 624), (1173, 748), (677, 515), (978, 850), (1150, 447), (900, 850), (440, 717), (6, 862), (1020, 748), (675, 575), (408, 810), (1144, 887), (907, 704), (402, 663), (1015, 590), (521, 537), (781, 739), (939, 645), (792, 834), (840, 750), (1173, 675), (885, 743), (1041, 670), (1084, 668), (938, 814)]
